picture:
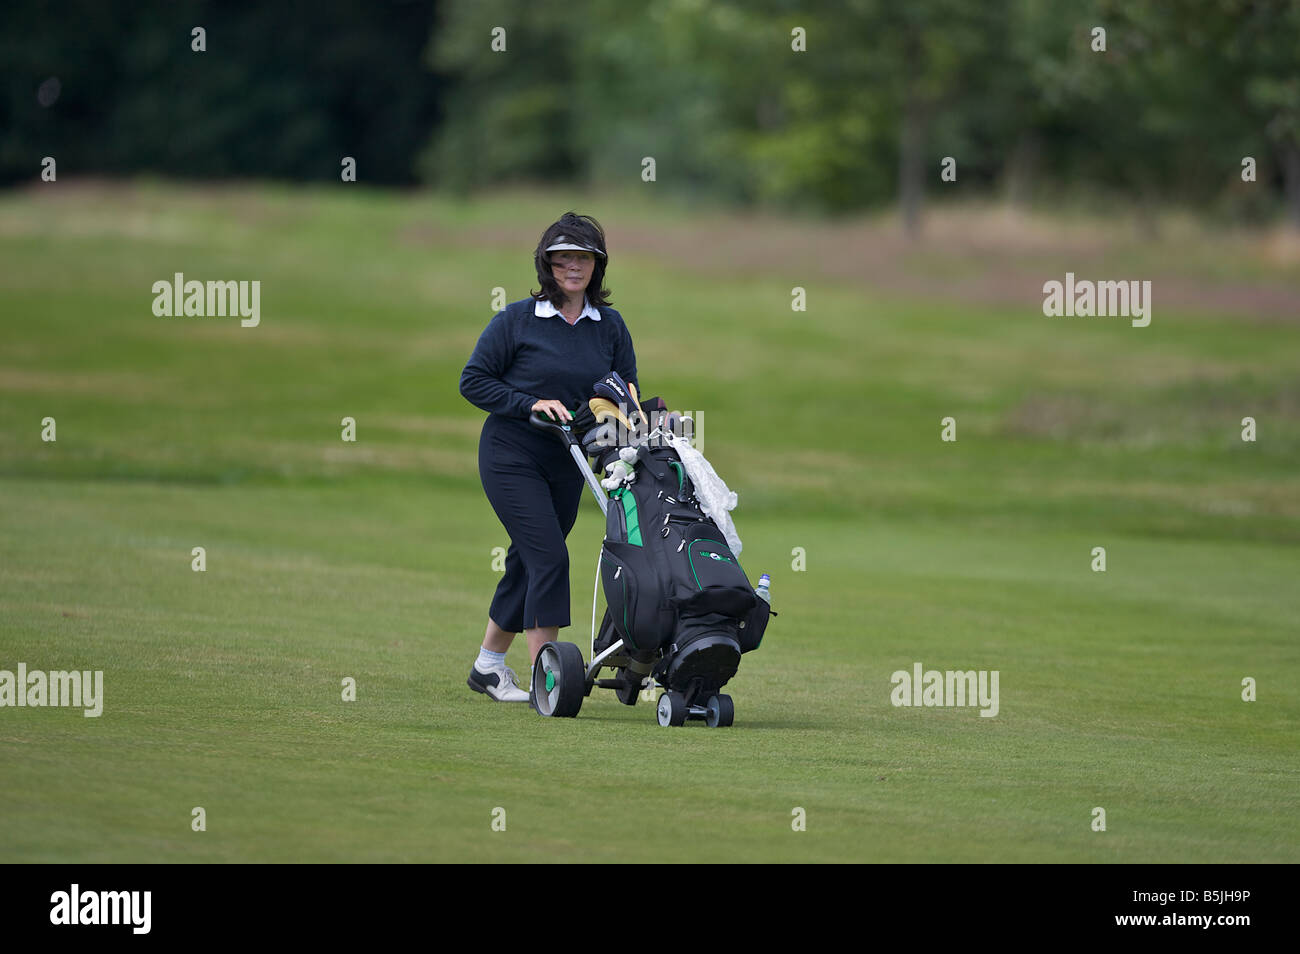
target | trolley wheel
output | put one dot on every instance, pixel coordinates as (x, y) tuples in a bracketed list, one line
[(627, 694), (559, 680), (672, 708), (721, 711)]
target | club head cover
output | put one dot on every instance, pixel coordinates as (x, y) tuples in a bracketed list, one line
[(614, 388), (621, 394), (602, 410), (600, 440), (583, 419)]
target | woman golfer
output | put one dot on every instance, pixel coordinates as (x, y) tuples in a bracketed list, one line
[(541, 354)]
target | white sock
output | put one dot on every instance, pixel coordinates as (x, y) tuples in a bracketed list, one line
[(488, 660)]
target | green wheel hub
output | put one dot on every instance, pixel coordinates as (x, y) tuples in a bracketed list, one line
[(550, 680)]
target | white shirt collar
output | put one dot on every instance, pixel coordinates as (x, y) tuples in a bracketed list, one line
[(544, 309)]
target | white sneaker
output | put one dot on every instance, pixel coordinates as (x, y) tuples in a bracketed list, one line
[(499, 684)]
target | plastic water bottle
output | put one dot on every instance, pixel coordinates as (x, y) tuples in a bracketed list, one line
[(765, 587)]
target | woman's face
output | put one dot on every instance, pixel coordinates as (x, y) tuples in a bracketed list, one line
[(572, 270)]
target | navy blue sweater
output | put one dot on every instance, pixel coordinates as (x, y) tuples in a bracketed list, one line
[(521, 359)]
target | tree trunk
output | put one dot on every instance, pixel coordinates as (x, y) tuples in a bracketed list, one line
[(1020, 169), (1291, 177), (911, 146), (911, 165)]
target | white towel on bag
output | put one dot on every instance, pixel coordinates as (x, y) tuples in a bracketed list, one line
[(715, 497)]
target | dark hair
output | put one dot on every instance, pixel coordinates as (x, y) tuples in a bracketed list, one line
[(587, 231)]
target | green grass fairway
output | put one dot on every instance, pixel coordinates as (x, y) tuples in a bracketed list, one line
[(373, 560)]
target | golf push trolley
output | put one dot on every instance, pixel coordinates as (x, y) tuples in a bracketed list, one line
[(680, 610)]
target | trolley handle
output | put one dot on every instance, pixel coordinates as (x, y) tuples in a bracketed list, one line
[(563, 431)]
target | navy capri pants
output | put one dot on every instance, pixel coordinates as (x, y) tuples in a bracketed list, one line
[(535, 489)]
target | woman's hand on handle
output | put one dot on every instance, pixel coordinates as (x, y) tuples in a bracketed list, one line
[(561, 413)]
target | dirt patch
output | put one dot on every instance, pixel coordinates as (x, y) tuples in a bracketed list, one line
[(990, 256), (976, 254)]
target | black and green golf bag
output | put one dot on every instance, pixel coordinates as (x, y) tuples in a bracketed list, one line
[(675, 592)]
